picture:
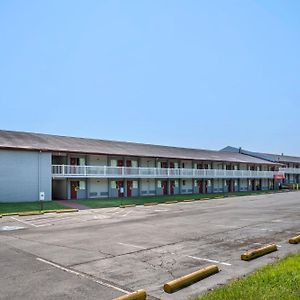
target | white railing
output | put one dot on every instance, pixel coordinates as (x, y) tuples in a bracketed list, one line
[(68, 171), (290, 170)]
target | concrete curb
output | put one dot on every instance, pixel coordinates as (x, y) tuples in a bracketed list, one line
[(137, 295), (67, 210), (10, 214), (294, 240), (30, 213), (150, 203), (189, 279), (251, 254), (171, 202), (128, 205), (47, 211), (189, 200)]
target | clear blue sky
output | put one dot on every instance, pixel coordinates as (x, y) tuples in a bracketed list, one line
[(202, 74)]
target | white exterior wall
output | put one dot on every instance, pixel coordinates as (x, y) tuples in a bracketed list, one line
[(147, 187), (97, 160), (218, 185), (188, 164), (188, 187), (243, 167), (97, 188), (147, 162), (243, 185)]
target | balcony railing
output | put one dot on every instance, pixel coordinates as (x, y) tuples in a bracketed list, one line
[(69, 171), (290, 170)]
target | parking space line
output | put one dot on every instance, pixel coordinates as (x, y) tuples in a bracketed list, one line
[(226, 226), (209, 260), (127, 213), (82, 275), (130, 245), (24, 222)]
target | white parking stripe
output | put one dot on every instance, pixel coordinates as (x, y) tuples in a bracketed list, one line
[(24, 222), (209, 260), (82, 275), (130, 245)]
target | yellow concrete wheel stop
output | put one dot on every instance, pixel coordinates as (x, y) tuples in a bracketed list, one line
[(137, 295), (67, 210), (189, 279), (294, 240), (251, 254), (128, 205), (150, 203)]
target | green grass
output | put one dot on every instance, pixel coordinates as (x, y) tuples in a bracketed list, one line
[(112, 202), (280, 280), (28, 206)]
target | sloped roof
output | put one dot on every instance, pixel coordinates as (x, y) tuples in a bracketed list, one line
[(279, 158), (54, 143)]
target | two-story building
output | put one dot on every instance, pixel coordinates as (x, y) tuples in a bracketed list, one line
[(35, 166), (290, 164)]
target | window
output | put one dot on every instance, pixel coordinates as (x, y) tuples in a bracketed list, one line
[(113, 162), (158, 183), (81, 161), (82, 185), (182, 165), (113, 184), (134, 184), (183, 182)]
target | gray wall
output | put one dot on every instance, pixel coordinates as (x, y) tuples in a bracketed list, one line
[(23, 174)]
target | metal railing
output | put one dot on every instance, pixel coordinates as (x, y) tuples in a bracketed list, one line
[(70, 171), (290, 170)]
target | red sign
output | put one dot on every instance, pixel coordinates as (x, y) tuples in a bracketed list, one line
[(279, 176)]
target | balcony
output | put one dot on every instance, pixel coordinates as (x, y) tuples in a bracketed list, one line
[(290, 170), (68, 171)]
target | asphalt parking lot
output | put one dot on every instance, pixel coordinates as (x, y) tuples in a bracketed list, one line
[(104, 253)]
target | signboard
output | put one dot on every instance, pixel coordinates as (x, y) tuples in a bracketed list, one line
[(42, 196), (279, 176)]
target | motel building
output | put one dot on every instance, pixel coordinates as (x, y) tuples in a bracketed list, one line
[(41, 166), (291, 163)]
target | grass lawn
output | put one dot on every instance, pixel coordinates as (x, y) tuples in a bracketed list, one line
[(28, 206), (280, 280), (112, 202)]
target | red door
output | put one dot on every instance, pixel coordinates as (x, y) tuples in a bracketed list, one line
[(164, 184), (200, 186), (74, 187), (164, 164), (129, 188), (128, 163), (253, 185), (172, 187), (120, 163), (120, 186), (172, 165), (73, 161), (228, 186), (205, 186)]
